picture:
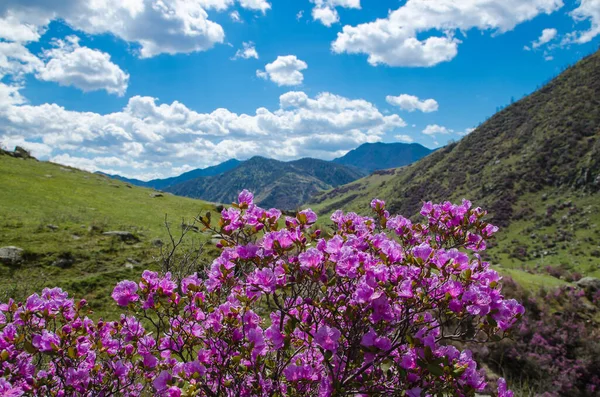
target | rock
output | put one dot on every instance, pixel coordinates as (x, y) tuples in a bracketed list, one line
[(128, 266), (124, 236), (65, 169), (129, 186), (155, 195), (76, 237), (133, 261), (21, 153), (157, 243), (589, 284), (63, 262), (48, 176), (52, 227), (11, 255)]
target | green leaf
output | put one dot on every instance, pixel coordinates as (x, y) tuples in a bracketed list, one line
[(386, 365), (29, 348), (435, 369)]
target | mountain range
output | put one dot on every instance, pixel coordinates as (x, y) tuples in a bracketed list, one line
[(281, 184), (160, 184), (278, 184), (535, 166)]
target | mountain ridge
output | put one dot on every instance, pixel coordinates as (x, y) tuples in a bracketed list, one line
[(381, 156), (275, 183)]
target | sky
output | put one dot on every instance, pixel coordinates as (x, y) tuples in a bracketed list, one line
[(154, 88)]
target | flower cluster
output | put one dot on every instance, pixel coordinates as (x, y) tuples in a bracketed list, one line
[(370, 307)]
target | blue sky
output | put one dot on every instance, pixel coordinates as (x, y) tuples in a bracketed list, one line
[(149, 88)]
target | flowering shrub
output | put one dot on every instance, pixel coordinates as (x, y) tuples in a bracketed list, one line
[(283, 311), (555, 350)]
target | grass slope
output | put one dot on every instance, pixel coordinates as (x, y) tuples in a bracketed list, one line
[(535, 166), (81, 205)]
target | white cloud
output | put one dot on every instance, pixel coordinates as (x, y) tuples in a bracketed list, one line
[(256, 5), (411, 103), (158, 27), (325, 11), (466, 132), (588, 10), (299, 15), (406, 37), (284, 71), (547, 36), (235, 16), (247, 51), (434, 129), (151, 139), (69, 64), (405, 138), (16, 60)]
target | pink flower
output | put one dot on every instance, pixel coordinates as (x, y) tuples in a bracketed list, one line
[(45, 341), (245, 197), (503, 390), (125, 292), (307, 217), (327, 338), (161, 382), (310, 259)]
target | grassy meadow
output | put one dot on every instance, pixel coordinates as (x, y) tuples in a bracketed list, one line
[(58, 215)]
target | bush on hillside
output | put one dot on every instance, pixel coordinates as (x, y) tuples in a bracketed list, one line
[(372, 310), (555, 350)]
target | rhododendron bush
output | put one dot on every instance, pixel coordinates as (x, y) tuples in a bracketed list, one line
[(371, 309)]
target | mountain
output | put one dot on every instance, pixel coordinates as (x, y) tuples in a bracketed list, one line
[(278, 184), (535, 166), (381, 156), (161, 184), (58, 215)]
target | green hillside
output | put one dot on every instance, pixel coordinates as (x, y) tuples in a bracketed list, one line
[(58, 215), (535, 166)]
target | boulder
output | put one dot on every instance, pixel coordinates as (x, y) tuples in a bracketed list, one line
[(11, 255), (157, 243), (155, 195), (589, 284), (52, 227), (21, 153), (124, 236), (63, 263)]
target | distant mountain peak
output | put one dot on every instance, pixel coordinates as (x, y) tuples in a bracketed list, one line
[(379, 155)]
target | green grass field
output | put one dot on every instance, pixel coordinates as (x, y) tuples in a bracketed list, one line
[(55, 212)]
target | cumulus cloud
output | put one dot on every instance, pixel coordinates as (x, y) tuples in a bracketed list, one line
[(411, 103), (587, 11), (405, 138), (16, 60), (69, 64), (434, 129), (247, 51), (325, 11), (547, 36), (158, 27), (284, 71), (149, 139), (407, 36)]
